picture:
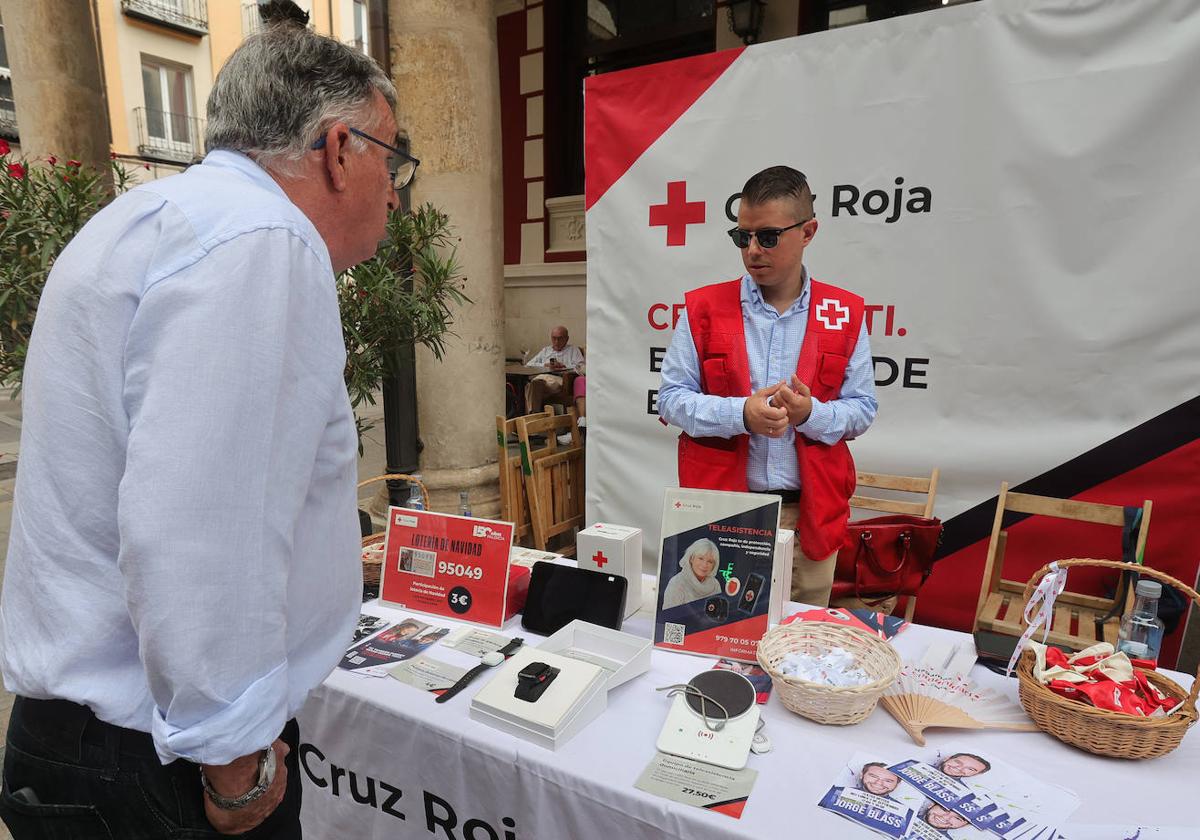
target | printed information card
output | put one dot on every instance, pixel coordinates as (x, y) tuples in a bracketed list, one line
[(695, 783), (452, 566)]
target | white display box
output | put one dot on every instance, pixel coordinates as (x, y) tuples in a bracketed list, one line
[(575, 698), (781, 575), (623, 656), (614, 550)]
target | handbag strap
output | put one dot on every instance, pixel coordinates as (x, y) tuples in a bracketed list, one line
[(864, 545), (865, 542)]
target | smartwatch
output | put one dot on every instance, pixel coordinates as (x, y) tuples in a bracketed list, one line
[(533, 680)]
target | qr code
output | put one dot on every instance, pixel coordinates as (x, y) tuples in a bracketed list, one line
[(673, 633), (417, 562)]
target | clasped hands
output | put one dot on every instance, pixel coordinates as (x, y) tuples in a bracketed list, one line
[(769, 411)]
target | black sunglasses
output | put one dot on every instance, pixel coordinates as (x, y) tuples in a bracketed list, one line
[(401, 165), (767, 237)]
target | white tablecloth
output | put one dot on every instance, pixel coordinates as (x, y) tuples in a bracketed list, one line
[(382, 760)]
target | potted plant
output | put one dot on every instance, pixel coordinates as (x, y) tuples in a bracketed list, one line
[(400, 298)]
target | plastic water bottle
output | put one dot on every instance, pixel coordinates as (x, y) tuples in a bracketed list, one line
[(464, 503), (415, 500), (1142, 627)]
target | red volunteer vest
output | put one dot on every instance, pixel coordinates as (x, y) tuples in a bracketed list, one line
[(827, 475)]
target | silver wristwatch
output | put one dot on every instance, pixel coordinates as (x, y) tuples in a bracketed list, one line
[(266, 776)]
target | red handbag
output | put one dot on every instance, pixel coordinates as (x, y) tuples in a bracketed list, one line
[(885, 556)]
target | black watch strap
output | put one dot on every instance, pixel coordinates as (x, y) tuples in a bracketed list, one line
[(463, 682)]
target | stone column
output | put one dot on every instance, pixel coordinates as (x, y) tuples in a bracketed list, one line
[(57, 87), (445, 67)]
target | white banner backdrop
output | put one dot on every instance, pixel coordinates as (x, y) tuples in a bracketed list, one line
[(1012, 186)]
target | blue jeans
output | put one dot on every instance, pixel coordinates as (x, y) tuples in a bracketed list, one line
[(69, 775)]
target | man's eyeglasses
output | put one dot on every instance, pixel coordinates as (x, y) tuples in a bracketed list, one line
[(767, 237), (401, 165)]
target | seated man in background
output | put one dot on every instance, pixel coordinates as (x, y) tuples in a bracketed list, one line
[(558, 355)]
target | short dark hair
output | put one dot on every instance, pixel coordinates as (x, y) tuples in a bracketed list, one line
[(987, 765), (873, 764), (777, 182)]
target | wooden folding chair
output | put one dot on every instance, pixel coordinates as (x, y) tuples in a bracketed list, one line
[(904, 484), (514, 503), (553, 476), (1077, 617)]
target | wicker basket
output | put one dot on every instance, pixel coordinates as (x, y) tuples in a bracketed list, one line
[(1099, 730), (837, 705), (372, 546)]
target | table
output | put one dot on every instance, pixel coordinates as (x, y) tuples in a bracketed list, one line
[(382, 760), (518, 375)]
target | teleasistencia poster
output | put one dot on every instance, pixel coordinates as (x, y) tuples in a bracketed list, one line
[(715, 572), (453, 566)]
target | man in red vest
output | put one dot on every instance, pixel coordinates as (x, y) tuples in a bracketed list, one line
[(769, 375)]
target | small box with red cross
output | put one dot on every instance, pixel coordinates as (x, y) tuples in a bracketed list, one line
[(614, 550)]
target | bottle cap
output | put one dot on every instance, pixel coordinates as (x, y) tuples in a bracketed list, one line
[(1149, 588)]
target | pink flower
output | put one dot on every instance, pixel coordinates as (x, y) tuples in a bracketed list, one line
[(112, 155), (16, 170), (4, 147), (75, 163), (51, 160)]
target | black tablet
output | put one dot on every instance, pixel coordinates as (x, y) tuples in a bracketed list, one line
[(560, 594)]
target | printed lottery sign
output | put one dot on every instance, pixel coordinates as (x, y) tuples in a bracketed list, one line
[(441, 564)]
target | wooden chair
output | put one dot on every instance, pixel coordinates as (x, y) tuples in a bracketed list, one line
[(553, 476), (514, 502), (1001, 602), (904, 484)]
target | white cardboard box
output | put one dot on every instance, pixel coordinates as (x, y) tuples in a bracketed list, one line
[(576, 697), (614, 550), (623, 655), (781, 577)]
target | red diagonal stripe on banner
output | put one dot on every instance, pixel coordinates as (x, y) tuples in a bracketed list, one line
[(732, 808), (626, 111)]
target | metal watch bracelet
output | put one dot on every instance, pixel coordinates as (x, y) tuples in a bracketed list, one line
[(266, 777)]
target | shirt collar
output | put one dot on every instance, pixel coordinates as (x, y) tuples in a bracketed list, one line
[(752, 295), (243, 165)]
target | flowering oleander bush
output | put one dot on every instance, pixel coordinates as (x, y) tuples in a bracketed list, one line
[(399, 298), (42, 205)]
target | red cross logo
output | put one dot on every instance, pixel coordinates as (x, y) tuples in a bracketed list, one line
[(599, 559), (832, 314), (678, 505), (677, 213)]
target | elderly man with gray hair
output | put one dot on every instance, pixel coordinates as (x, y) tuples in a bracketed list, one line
[(181, 571)]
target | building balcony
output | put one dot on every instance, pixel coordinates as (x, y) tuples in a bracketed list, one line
[(251, 19), (190, 16), (8, 119), (174, 138)]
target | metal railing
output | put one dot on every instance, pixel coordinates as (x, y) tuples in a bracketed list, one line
[(187, 15), (251, 19), (8, 119), (165, 136)]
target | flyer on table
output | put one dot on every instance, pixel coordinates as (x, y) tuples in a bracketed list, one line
[(715, 571), (453, 566)]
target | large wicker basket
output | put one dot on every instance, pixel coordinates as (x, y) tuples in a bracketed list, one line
[(837, 705), (372, 546), (1099, 730)]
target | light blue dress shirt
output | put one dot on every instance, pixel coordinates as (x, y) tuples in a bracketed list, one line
[(773, 346), (184, 548)]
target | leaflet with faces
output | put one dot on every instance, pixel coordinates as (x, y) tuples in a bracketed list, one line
[(948, 793)]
